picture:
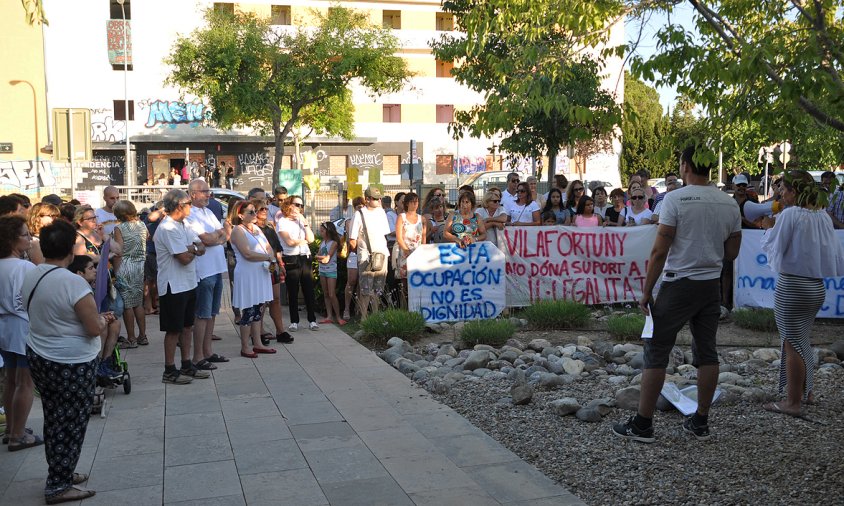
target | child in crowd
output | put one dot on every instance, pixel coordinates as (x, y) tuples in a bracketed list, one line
[(548, 218), (327, 258), (585, 215)]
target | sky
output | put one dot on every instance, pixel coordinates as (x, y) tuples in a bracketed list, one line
[(683, 15)]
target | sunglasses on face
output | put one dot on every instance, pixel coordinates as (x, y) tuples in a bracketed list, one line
[(741, 185), (299, 205), (48, 215), (438, 195), (640, 197), (249, 212), (89, 218), (522, 190), (514, 180), (495, 201), (578, 189)]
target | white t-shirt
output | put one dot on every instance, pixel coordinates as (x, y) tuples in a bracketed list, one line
[(803, 243), (171, 238), (522, 213), (106, 219), (392, 218), (704, 217), (377, 228), (55, 331), (602, 211), (643, 218), (508, 200), (202, 221), (14, 320), (296, 230)]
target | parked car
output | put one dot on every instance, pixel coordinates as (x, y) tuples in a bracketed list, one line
[(480, 181)]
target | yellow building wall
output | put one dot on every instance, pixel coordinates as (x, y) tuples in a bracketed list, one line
[(369, 113), (22, 59), (418, 113), (416, 20), (422, 67), (262, 10)]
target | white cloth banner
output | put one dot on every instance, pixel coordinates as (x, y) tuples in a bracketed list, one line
[(447, 283), (586, 265), (755, 282)]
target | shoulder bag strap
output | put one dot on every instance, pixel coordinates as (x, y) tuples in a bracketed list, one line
[(32, 293)]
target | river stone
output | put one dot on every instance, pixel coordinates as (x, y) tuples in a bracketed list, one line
[(838, 348), (550, 351), (687, 369), (476, 359), (573, 367), (556, 367), (539, 344), (495, 375), (752, 366), (447, 350), (480, 372), (766, 354), (823, 353), (519, 362), (625, 370), (604, 406), (438, 386), (617, 380), (454, 362), (729, 377), (535, 368), (442, 359), (565, 406), (413, 357), (395, 342), (603, 349), (590, 363), (494, 364), (637, 360), (587, 414), (551, 380), (515, 343), (628, 398), (584, 341), (390, 355), (464, 353), (454, 377), (568, 351), (736, 356), (676, 358), (407, 367), (483, 347), (521, 394), (509, 356), (420, 375), (422, 363)]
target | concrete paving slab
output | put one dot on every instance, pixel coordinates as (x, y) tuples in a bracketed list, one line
[(473, 449), (421, 473), (472, 495), (325, 436), (128, 472), (137, 496), (344, 464), (201, 481), (131, 442), (254, 407), (189, 400), (254, 430), (399, 441), (313, 412), (179, 451), (194, 424), (297, 487), (229, 500), (513, 481), (269, 456), (370, 492)]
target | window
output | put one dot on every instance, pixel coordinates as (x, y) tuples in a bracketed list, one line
[(337, 166), (120, 110), (115, 11), (392, 19), (392, 113), (391, 164), (287, 162), (119, 67), (445, 164), (224, 7), (280, 15), (445, 113), (444, 68), (445, 21)]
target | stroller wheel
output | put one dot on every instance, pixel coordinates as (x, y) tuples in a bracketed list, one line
[(127, 384)]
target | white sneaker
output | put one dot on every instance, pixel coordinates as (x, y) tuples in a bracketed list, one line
[(313, 326), (293, 327)]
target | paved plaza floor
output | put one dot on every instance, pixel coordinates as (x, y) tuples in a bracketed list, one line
[(323, 421)]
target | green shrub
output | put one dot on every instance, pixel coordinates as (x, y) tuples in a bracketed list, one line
[(755, 319), (491, 332), (557, 314), (626, 327), (383, 325)]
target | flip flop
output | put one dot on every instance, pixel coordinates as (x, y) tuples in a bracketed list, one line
[(74, 493), (269, 351), (215, 337), (774, 407), (217, 358), (248, 355), (326, 321)]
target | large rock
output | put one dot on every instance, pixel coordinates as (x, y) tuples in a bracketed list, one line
[(736, 356), (447, 350), (573, 367), (838, 348), (584, 341), (637, 360), (396, 341), (515, 343), (822, 354), (551, 380), (729, 377), (483, 347), (565, 406), (539, 344), (509, 356), (628, 398), (477, 359), (767, 354), (550, 351), (521, 394), (588, 414), (604, 406)]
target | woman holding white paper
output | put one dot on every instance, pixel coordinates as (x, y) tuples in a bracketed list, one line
[(801, 246)]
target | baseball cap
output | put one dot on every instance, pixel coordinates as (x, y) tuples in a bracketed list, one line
[(740, 179), (52, 199), (372, 192)]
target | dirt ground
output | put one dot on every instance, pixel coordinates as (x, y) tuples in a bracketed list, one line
[(729, 335)]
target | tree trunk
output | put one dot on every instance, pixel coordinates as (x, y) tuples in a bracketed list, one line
[(279, 152), (552, 165)]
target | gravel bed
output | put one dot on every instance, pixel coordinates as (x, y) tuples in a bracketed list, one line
[(754, 457)]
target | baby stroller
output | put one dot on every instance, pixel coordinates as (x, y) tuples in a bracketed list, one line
[(121, 377)]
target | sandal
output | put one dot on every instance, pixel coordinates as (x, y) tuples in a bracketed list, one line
[(74, 493), (143, 341), (27, 441), (217, 358), (79, 478), (6, 436), (205, 365), (128, 344)]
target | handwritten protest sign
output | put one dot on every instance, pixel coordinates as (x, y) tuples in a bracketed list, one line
[(586, 265), (447, 283), (755, 282)]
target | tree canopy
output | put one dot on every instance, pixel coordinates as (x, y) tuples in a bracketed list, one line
[(646, 141), (269, 78), (531, 62)]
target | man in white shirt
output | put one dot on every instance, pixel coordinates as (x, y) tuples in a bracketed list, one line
[(373, 225), (105, 214), (689, 258), (209, 273), (176, 248), (510, 195), (274, 207)]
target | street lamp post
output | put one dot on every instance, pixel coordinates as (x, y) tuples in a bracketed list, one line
[(131, 177), (35, 112)]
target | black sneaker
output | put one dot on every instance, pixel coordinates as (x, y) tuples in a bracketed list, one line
[(175, 378), (195, 372), (700, 432), (284, 337), (629, 430)]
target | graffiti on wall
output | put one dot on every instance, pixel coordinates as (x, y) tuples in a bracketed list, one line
[(469, 164), (173, 113), (366, 160), (254, 169), (118, 54), (26, 174), (104, 128)]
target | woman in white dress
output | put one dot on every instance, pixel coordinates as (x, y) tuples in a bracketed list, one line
[(525, 211), (252, 283)]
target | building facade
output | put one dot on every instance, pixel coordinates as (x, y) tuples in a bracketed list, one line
[(83, 61)]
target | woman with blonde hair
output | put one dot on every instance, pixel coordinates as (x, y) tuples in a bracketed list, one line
[(40, 215), (492, 214)]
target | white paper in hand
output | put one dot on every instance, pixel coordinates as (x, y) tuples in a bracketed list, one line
[(648, 330)]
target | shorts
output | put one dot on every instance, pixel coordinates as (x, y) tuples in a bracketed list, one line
[(177, 310), (250, 315), (12, 360), (116, 305), (371, 283), (352, 261), (678, 302), (332, 275), (151, 268), (209, 293)]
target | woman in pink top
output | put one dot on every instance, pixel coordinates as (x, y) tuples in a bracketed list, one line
[(586, 216)]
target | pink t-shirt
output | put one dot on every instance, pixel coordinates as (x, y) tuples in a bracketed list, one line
[(583, 221)]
